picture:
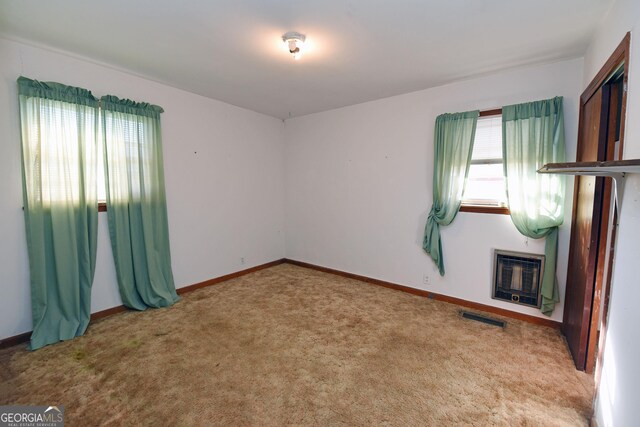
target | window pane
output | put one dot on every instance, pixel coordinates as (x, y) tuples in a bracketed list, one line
[(58, 146), (485, 182), (485, 185), (102, 186), (488, 141), (130, 156), (58, 150)]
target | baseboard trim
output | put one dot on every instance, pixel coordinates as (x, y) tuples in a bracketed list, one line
[(24, 337), (452, 300), (226, 277), (108, 312), (15, 340)]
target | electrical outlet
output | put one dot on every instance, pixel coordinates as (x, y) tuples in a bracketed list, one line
[(242, 260), (426, 280)]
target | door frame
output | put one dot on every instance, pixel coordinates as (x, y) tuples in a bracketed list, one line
[(596, 264), (619, 55)]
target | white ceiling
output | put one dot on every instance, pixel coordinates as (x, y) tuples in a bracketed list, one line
[(360, 50)]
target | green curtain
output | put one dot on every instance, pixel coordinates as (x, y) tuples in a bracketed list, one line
[(59, 126), (136, 203), (453, 144), (532, 135)]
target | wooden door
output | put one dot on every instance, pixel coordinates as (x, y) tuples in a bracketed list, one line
[(600, 137), (585, 227)]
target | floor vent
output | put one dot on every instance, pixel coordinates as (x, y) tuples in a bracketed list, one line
[(483, 319)]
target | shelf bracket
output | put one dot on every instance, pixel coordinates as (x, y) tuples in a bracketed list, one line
[(617, 170)]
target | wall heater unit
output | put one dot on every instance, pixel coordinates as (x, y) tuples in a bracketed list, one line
[(517, 277)]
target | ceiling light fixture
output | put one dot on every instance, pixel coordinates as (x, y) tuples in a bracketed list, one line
[(295, 43)]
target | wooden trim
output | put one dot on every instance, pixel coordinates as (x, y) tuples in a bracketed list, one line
[(15, 340), (600, 284), (626, 43), (595, 245), (488, 113), (226, 277), (23, 338), (432, 295), (500, 210), (108, 312), (618, 57), (620, 54), (102, 207)]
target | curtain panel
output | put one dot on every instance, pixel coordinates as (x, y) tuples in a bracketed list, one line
[(59, 126), (533, 135), (453, 145), (136, 203)]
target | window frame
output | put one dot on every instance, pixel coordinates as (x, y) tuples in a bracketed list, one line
[(486, 209)]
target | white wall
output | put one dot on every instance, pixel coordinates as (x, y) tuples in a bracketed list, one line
[(619, 390), (224, 180), (358, 190), (359, 179)]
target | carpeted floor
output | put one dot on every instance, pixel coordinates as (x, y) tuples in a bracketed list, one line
[(292, 346)]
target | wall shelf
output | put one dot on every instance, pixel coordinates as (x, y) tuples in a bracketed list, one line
[(617, 169)]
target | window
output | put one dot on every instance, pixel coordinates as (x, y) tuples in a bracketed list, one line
[(130, 150), (131, 133), (101, 179), (58, 152), (485, 189), (57, 142)]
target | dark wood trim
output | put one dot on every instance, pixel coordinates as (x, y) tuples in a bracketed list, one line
[(102, 207), (602, 336), (414, 291), (23, 338), (602, 200), (226, 277), (603, 249), (108, 312), (15, 340), (598, 226), (500, 210), (494, 112), (620, 54)]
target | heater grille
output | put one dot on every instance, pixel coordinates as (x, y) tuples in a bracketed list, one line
[(516, 277)]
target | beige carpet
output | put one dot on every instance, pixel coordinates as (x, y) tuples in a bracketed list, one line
[(292, 346)]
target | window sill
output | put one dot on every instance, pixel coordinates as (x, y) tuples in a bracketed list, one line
[(102, 207), (500, 210)]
